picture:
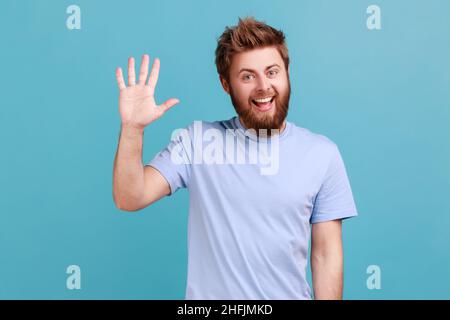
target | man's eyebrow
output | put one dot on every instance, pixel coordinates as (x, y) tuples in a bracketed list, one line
[(268, 67)]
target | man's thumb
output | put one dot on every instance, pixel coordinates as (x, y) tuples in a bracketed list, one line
[(169, 104)]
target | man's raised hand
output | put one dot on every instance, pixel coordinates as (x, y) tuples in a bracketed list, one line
[(137, 104)]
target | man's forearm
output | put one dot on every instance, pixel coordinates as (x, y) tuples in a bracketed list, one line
[(327, 274), (128, 174)]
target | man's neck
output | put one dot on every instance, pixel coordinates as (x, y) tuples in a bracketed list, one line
[(283, 125)]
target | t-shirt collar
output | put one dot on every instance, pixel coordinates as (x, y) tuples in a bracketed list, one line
[(251, 135)]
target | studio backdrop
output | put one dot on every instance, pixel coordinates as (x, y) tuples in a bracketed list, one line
[(373, 76)]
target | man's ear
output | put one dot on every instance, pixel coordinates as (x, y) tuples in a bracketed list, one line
[(224, 83)]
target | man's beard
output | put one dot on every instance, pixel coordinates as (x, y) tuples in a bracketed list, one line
[(253, 119)]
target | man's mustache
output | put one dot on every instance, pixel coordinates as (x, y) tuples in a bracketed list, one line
[(262, 96)]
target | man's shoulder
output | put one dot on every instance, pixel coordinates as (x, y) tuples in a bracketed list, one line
[(311, 137), (214, 124), (197, 130)]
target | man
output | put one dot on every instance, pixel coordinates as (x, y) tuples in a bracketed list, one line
[(248, 231)]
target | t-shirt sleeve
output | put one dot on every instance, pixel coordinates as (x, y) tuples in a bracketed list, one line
[(173, 162), (334, 199)]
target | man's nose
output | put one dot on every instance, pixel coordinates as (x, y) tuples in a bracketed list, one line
[(263, 84)]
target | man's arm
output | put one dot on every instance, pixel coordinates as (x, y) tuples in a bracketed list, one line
[(136, 186), (327, 260)]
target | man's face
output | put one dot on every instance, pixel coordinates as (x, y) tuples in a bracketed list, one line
[(259, 88)]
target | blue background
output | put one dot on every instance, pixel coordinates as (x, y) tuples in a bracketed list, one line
[(383, 96)]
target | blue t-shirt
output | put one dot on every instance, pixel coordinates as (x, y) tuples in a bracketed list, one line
[(250, 213)]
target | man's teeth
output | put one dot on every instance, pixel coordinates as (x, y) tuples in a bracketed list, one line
[(264, 100)]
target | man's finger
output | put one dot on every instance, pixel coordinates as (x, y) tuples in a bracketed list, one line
[(168, 104), (144, 70), (131, 73), (119, 77), (153, 79)]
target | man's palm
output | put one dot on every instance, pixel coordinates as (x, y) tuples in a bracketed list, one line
[(137, 105)]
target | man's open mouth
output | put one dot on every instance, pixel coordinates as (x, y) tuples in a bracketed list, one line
[(263, 104)]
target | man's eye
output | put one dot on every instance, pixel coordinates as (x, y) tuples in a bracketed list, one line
[(247, 77), (273, 73)]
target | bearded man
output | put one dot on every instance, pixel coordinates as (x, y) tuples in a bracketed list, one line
[(248, 232)]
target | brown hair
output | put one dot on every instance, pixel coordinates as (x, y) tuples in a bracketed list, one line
[(248, 34)]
